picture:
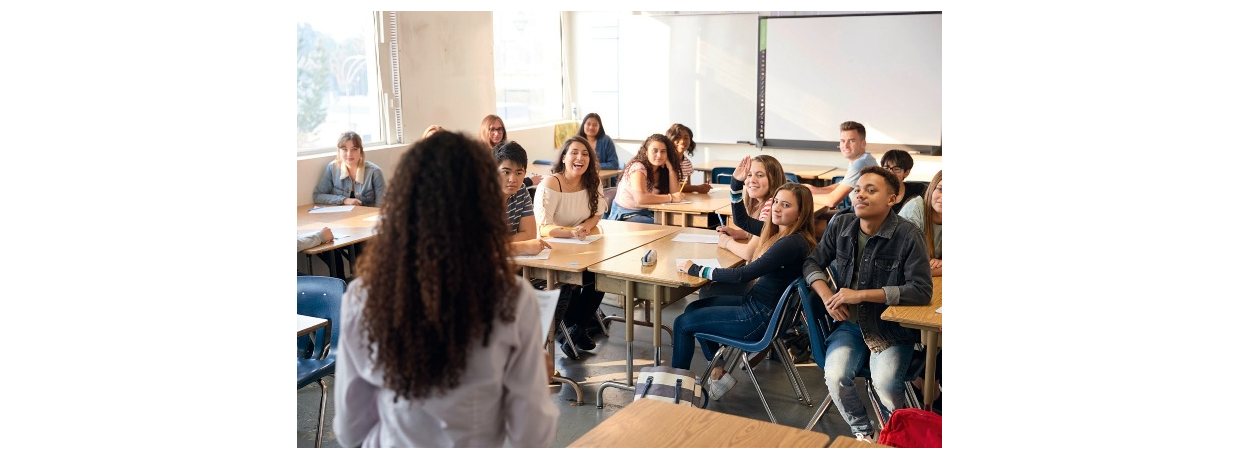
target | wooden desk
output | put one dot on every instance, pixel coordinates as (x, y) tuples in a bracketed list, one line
[(308, 324), (695, 213), (808, 172), (625, 276), (648, 423), (846, 442), (925, 319), (348, 228)]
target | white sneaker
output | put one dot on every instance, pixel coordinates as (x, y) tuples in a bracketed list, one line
[(716, 388), (865, 438)]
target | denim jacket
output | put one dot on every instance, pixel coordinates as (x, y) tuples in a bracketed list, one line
[(894, 260), (332, 189)]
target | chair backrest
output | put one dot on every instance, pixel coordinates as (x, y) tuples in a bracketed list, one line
[(817, 324), (320, 297), (609, 195), (542, 162), (715, 174), (792, 178), (777, 316)]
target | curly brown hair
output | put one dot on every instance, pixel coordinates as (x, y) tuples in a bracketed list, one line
[(657, 179), (436, 272), (590, 179)]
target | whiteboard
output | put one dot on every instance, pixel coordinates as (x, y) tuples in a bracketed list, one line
[(885, 72), (698, 70)]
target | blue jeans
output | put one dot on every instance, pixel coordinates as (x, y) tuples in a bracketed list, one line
[(731, 316), (846, 354), (642, 216)]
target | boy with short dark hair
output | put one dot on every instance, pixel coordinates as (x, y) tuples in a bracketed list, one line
[(511, 160), (879, 259)]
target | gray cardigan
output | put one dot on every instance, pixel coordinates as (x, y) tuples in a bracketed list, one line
[(333, 190)]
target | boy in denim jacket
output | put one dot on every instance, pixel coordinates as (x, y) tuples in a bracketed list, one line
[(879, 259)]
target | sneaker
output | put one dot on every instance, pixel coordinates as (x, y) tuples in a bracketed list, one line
[(864, 437), (716, 388)]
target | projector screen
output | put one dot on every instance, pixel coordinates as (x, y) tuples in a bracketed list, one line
[(884, 71)]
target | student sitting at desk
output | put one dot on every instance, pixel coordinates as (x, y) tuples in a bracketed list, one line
[(592, 131), (522, 232), (879, 259), (753, 184), (569, 204), (649, 178), (350, 179), (780, 251), (313, 239), (900, 163), (930, 205), (492, 132), (682, 138), (440, 340)]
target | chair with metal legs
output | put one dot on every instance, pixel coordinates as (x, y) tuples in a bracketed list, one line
[(749, 347), (319, 296), (819, 326)]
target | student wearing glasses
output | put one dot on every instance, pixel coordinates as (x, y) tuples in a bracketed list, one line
[(492, 132), (900, 163), (350, 179), (440, 339)]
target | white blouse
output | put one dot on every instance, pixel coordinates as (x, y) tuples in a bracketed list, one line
[(502, 392), (565, 209)]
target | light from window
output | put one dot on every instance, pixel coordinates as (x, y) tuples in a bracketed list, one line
[(528, 81), (337, 79)]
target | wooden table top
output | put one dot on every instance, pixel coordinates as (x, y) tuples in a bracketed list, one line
[(845, 441), (649, 423), (618, 237), (305, 324), (812, 171), (629, 264), (347, 227), (923, 316), (697, 202), (545, 170)]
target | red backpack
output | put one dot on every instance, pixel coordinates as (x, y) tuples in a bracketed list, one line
[(913, 428)]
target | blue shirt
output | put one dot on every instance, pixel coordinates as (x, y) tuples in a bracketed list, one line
[(605, 149), (333, 189)]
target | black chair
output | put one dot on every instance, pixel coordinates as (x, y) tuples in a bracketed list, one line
[(318, 296)]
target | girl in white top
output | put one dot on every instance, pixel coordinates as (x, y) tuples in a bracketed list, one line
[(570, 202), (440, 340), (650, 177)]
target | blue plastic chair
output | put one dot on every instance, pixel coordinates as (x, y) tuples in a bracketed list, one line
[(319, 296), (819, 326), (542, 162), (718, 175), (748, 348), (792, 178)]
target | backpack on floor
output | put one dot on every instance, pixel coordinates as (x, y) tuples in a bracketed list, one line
[(913, 428), (668, 384)]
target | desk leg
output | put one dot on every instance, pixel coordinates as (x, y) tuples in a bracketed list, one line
[(337, 270), (657, 320), (932, 351), (628, 331), (309, 264)]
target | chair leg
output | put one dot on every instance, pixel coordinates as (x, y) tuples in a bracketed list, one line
[(752, 378), (569, 340), (822, 409), (878, 409), (602, 323), (794, 377), (318, 435)]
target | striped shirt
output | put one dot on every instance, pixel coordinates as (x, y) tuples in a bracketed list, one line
[(519, 205)]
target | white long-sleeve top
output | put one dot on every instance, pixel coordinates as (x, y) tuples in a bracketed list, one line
[(502, 394)]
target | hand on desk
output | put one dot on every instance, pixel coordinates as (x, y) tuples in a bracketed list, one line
[(733, 233), (580, 232), (936, 263), (327, 234), (352, 202), (529, 247), (684, 266)]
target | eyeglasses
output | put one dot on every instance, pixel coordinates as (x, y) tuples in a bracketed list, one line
[(497, 130), (894, 169)]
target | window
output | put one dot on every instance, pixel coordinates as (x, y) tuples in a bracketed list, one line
[(528, 82), (337, 79)]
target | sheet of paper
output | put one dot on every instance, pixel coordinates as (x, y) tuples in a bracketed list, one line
[(588, 240), (679, 202), (939, 310), (546, 308), (324, 209), (542, 255), (696, 238), (372, 218), (712, 263)]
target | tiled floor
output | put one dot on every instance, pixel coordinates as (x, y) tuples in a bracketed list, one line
[(606, 362)]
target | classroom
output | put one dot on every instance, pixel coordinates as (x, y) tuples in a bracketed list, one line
[(780, 151)]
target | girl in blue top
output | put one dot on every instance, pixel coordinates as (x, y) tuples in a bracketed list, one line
[(592, 130), (787, 237), (350, 179)]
